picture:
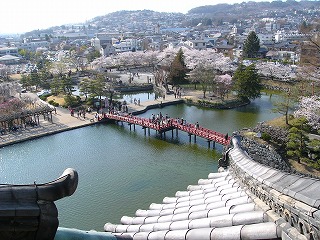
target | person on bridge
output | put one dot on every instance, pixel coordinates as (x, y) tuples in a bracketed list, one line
[(226, 137)]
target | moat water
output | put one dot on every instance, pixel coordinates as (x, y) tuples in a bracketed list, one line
[(120, 170)]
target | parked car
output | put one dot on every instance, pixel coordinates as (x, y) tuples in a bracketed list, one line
[(43, 92)]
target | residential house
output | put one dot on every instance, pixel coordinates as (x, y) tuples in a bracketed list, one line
[(265, 37), (8, 51), (227, 50), (32, 45), (199, 44), (9, 59)]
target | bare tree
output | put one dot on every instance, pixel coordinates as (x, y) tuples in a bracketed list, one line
[(309, 69), (204, 74)]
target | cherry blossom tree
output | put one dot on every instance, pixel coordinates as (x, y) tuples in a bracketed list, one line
[(309, 78), (217, 60), (309, 107), (8, 90), (11, 106), (160, 75), (204, 74), (286, 104), (103, 62), (309, 68), (4, 71), (223, 85), (161, 61), (60, 67), (150, 58), (276, 71)]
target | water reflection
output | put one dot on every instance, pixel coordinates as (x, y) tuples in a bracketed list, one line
[(142, 96), (120, 170)]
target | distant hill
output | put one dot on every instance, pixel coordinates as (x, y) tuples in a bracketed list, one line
[(211, 9), (254, 7), (141, 21)]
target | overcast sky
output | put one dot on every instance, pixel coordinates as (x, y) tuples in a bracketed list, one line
[(18, 16)]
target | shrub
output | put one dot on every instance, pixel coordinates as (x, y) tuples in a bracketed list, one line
[(316, 165), (89, 102), (51, 102), (72, 101), (293, 154), (43, 97), (265, 137)]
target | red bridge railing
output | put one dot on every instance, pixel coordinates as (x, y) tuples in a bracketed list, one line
[(172, 123)]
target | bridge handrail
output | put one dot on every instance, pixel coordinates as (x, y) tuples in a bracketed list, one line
[(172, 123)]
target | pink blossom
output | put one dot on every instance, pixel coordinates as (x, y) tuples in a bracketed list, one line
[(309, 107)]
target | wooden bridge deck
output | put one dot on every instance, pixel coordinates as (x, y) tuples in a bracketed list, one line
[(170, 124)]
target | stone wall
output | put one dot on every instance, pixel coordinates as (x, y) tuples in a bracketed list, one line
[(264, 154), (294, 200)]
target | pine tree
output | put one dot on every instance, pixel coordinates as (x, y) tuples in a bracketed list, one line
[(247, 82), (251, 45), (297, 138), (178, 69)]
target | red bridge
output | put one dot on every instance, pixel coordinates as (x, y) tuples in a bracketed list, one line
[(166, 124)]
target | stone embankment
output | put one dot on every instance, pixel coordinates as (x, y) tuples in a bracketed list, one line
[(264, 154), (294, 200), (267, 154), (277, 134)]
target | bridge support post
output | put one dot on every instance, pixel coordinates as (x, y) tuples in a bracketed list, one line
[(172, 133), (149, 131), (129, 126), (134, 127), (177, 132), (190, 137), (209, 144), (145, 131), (213, 144), (195, 138)]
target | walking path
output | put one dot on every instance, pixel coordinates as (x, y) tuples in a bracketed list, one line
[(63, 121)]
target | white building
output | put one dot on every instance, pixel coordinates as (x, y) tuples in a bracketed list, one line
[(265, 37), (290, 37), (196, 44), (126, 45), (32, 46), (103, 43)]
